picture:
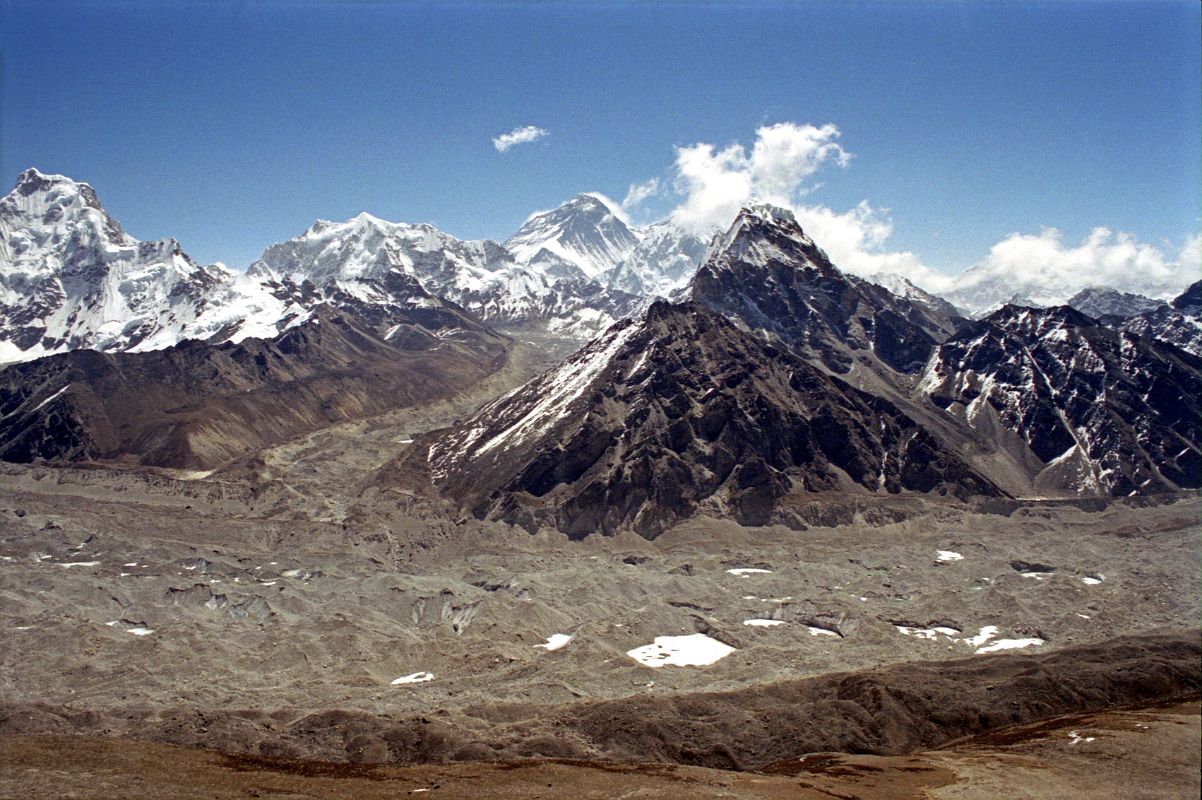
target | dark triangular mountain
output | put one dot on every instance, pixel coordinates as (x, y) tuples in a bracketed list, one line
[(1091, 409), (673, 411), (768, 275), (1189, 302), (197, 405)]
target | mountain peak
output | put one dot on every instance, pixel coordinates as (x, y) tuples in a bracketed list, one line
[(1102, 301), (768, 274), (33, 180), (586, 231), (35, 183), (767, 212), (1012, 314), (762, 232)]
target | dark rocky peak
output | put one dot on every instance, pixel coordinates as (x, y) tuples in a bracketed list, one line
[(1189, 302), (677, 410), (768, 275)]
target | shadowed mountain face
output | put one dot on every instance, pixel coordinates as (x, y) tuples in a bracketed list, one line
[(1178, 323), (197, 405), (1103, 411), (728, 404), (678, 409), (768, 275)]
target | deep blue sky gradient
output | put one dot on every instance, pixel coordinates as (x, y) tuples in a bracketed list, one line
[(234, 125)]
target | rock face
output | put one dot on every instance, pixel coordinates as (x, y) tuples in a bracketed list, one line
[(677, 409), (71, 278), (1101, 302), (1102, 412), (197, 405), (1178, 323), (769, 276), (1189, 302)]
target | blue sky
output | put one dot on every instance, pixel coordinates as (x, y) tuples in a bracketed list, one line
[(234, 125)]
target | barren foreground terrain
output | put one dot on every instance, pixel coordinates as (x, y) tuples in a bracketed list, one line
[(1131, 754), (295, 606)]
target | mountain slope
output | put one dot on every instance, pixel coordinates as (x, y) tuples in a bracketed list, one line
[(584, 232), (1093, 410), (678, 409), (1101, 302), (197, 405), (71, 278), (367, 262), (769, 275), (1178, 323)]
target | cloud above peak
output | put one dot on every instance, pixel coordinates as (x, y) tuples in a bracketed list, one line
[(714, 183), (1044, 269), (710, 184), (640, 192), (520, 135)]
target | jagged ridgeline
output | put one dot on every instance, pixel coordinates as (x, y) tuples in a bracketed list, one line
[(783, 378), (773, 379)]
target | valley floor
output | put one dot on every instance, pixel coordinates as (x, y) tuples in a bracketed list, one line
[(282, 607)]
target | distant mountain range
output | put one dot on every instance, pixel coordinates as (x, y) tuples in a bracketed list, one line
[(767, 375), (71, 278)]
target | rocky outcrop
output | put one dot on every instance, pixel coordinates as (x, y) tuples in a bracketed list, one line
[(767, 274), (1103, 412), (673, 411)]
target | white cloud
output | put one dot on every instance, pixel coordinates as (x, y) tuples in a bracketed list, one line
[(1190, 258), (714, 184), (855, 241), (1042, 268), (614, 206), (522, 135), (639, 192)]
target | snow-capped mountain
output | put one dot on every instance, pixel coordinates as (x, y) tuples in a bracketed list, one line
[(585, 232), (664, 261), (904, 287), (766, 273), (1102, 302), (1089, 409), (369, 262), (71, 278), (676, 409)]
